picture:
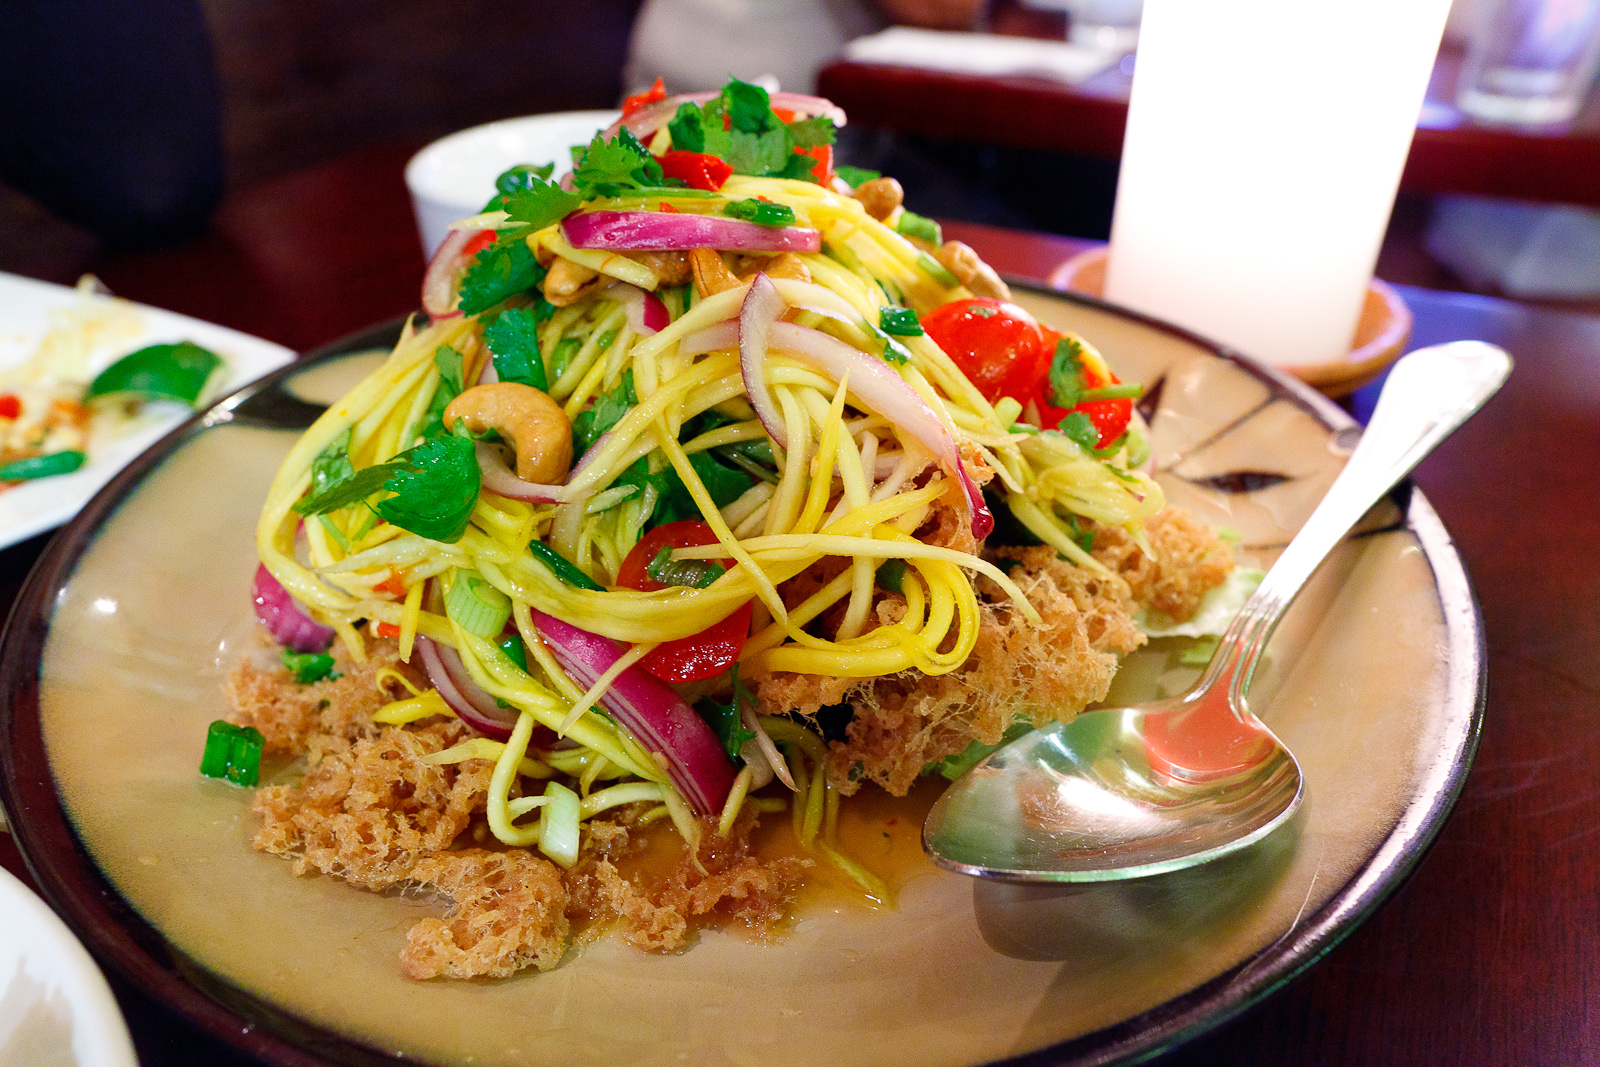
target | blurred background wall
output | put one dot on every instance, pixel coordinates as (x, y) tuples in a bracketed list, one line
[(307, 80)]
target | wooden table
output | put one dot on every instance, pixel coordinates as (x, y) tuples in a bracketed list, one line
[(1488, 956), (1450, 153)]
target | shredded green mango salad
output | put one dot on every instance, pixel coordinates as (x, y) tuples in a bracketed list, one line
[(707, 412)]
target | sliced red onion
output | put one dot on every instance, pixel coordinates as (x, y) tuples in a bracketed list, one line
[(880, 388), (710, 339), (757, 316), (283, 616), (466, 697), (655, 231), (438, 283), (587, 460), (487, 375), (498, 478), (644, 122), (646, 314), (651, 710)]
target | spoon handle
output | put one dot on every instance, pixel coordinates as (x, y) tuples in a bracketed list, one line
[(1428, 394)]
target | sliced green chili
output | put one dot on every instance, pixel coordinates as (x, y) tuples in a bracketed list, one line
[(564, 568)]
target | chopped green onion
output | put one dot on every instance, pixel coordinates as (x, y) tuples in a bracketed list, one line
[(694, 573), (160, 372), (760, 212), (1008, 409), (475, 605), (308, 667), (893, 351), (902, 322), (936, 270), (564, 568), (919, 227), (1123, 391), (51, 463), (559, 828), (892, 575), (233, 753)]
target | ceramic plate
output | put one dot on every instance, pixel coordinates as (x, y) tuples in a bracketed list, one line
[(1374, 680), (55, 1008), (28, 309)]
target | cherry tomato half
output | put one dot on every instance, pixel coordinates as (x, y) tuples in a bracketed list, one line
[(1110, 417), (998, 345), (702, 655)]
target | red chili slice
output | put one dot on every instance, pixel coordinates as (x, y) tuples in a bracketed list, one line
[(698, 170)]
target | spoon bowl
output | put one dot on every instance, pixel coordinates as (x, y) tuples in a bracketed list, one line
[(1129, 792)]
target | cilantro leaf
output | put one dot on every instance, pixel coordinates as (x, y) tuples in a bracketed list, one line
[(606, 413), (524, 176), (504, 269), (761, 153), (452, 380), (749, 107), (688, 128), (723, 483), (332, 465), (514, 341), (538, 204), (811, 132), (435, 485), (350, 490), (725, 719), (855, 176), (617, 166), (1066, 374), (1077, 427)]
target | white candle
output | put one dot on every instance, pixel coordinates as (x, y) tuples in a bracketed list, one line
[(1265, 142)]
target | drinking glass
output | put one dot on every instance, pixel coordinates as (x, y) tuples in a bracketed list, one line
[(1530, 62)]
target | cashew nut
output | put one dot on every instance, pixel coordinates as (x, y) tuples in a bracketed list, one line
[(975, 274), (880, 196), (567, 281), (711, 275), (534, 425), (671, 267), (782, 265)]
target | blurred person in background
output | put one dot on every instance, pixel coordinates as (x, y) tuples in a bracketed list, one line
[(111, 115), (694, 45)]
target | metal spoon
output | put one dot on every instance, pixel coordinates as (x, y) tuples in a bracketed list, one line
[(1127, 792)]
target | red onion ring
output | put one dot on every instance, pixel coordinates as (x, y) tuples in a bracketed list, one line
[(498, 478), (649, 709), (653, 231), (284, 617), (757, 316), (438, 282), (646, 314), (715, 338), (879, 387), (465, 696)]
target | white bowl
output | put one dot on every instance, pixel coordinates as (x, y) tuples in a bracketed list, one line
[(454, 177)]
